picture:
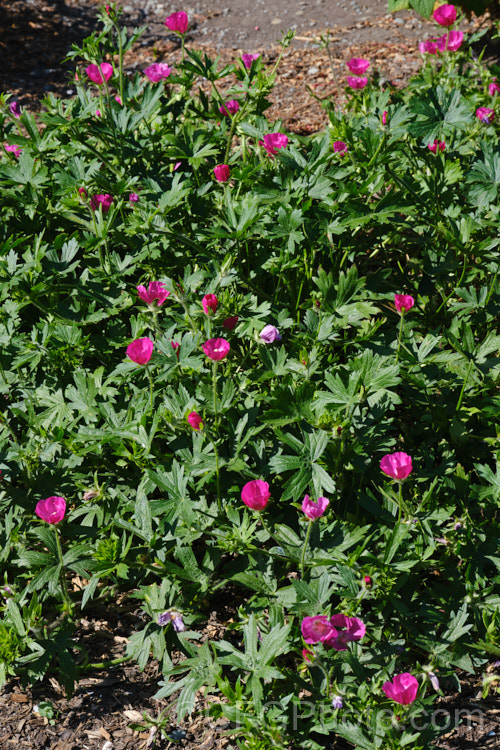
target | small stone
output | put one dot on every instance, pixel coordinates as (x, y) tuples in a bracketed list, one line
[(276, 21), (312, 71)]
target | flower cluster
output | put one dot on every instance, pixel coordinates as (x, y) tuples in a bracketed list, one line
[(333, 632), (357, 66)]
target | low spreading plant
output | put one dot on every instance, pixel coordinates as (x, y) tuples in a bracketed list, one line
[(239, 363)]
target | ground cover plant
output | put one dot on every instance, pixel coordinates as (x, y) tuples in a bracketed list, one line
[(242, 364)]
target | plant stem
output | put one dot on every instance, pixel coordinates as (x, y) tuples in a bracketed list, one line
[(400, 501), (150, 389), (400, 335), (106, 664), (304, 548), (68, 605), (216, 429)]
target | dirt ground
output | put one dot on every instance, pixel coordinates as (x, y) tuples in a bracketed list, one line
[(42, 31), (35, 36)]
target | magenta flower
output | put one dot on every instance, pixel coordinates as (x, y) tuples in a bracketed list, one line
[(118, 99), (248, 60), (103, 200), (230, 323), (155, 291), (344, 630), (404, 302), (450, 41), (140, 350), (133, 198), (177, 22), (216, 349), (435, 148), (15, 109), (340, 148), (384, 117), (99, 73), (255, 494), (430, 47), (356, 83), (13, 149), (229, 108), (485, 115), (368, 581), (313, 510), (222, 172), (269, 334), (157, 72), (397, 465), (493, 88), (273, 141), (358, 65), (445, 15), (209, 303), (52, 509), (403, 688), (316, 629), (195, 420)]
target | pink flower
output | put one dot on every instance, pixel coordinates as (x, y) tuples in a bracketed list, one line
[(99, 76), (485, 115), (340, 148), (306, 653), (140, 350), (358, 65), (405, 302), (403, 688), (450, 41), (368, 581), (209, 303), (248, 60), (356, 83), (335, 632), (273, 141), (397, 465), (255, 494), (316, 629), (16, 150), (435, 148), (230, 323), (445, 15), (384, 117), (15, 109), (221, 172), (133, 198), (175, 346), (118, 99), (52, 509), (313, 510), (103, 200), (195, 421), (216, 349), (157, 72), (98, 113), (269, 334), (229, 108), (493, 89), (345, 629), (177, 22), (155, 291), (428, 47)]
